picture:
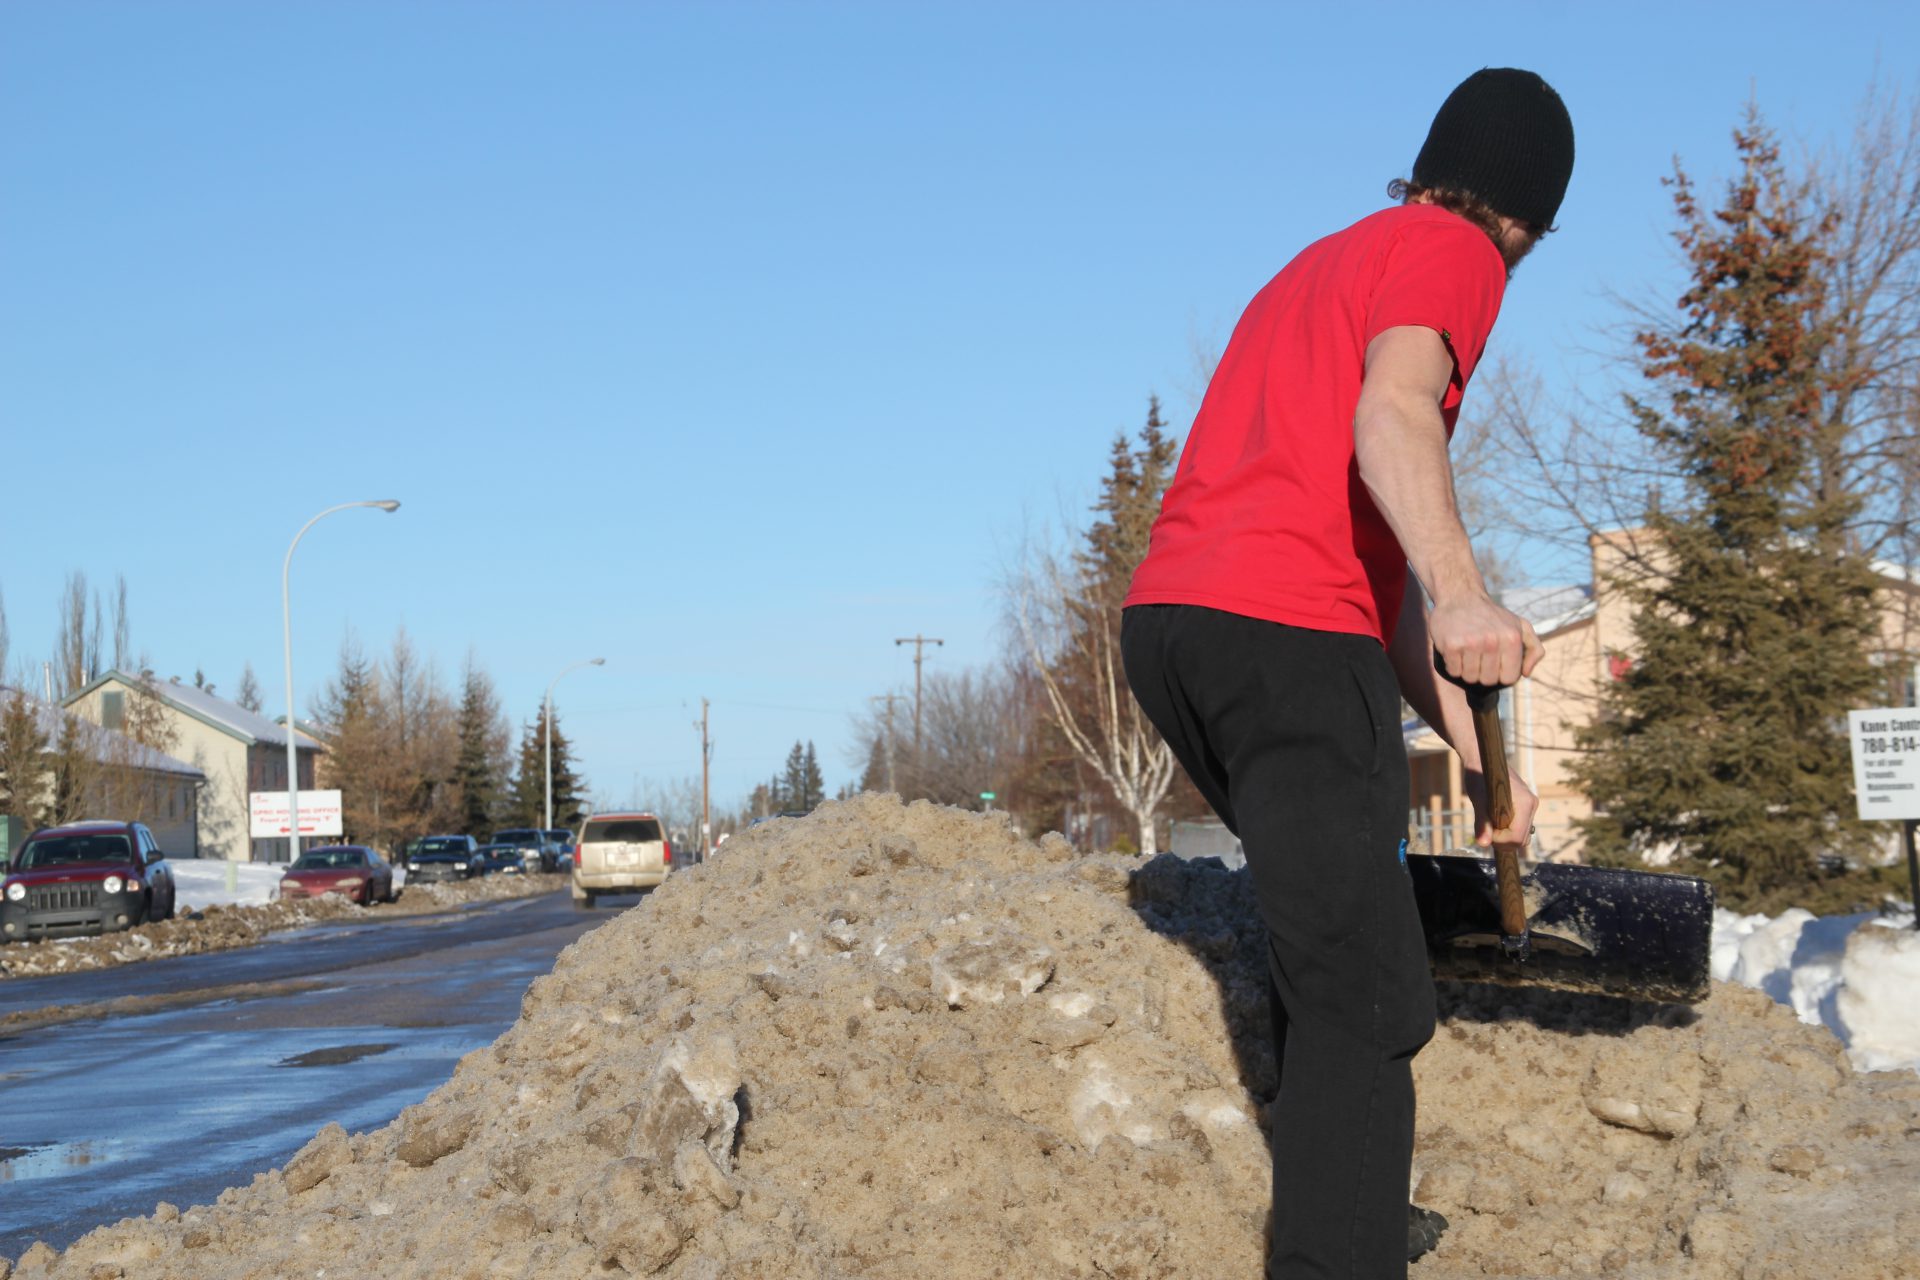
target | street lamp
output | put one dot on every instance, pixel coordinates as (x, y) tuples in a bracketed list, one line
[(590, 662), (286, 632)]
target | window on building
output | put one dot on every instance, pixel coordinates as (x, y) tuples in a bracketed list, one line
[(113, 709)]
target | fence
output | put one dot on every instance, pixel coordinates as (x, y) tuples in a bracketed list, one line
[(1432, 829)]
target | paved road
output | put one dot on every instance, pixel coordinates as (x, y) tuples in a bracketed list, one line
[(103, 1118)]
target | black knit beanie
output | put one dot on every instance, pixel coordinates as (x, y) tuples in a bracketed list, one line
[(1504, 136)]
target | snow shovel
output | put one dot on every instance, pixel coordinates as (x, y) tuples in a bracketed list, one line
[(1639, 934)]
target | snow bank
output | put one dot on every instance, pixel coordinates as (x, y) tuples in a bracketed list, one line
[(202, 882), (1855, 975)]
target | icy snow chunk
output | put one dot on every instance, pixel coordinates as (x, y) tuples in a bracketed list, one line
[(1103, 1107), (1070, 1006), (989, 970), (691, 1098)]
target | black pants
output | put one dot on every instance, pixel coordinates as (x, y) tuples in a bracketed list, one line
[(1294, 738)]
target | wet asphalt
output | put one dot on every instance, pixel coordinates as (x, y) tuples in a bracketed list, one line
[(103, 1117)]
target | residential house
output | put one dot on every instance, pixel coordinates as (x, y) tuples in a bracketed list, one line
[(240, 751), (1586, 631), (120, 779)]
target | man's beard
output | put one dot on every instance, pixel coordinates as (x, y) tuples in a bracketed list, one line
[(1513, 254)]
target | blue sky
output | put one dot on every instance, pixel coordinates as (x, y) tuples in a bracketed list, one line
[(727, 341)]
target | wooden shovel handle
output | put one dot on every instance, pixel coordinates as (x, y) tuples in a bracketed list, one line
[(1484, 701)]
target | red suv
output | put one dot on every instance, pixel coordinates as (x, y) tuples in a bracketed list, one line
[(89, 877)]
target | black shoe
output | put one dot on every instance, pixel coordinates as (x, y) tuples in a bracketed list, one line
[(1424, 1228)]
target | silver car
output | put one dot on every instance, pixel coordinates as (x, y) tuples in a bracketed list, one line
[(619, 853)]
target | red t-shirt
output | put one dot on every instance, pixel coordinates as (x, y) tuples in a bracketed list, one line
[(1266, 515)]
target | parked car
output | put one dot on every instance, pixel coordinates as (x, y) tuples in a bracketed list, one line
[(532, 838), (350, 870), (87, 877), (504, 859), (443, 858), (619, 853), (561, 840)]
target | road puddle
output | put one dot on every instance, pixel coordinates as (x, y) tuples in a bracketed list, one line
[(334, 1055), (56, 1159)]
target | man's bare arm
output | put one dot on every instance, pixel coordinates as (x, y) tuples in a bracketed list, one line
[(1443, 705), (1400, 446)]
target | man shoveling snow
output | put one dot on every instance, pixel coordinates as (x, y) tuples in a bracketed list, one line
[(1274, 627)]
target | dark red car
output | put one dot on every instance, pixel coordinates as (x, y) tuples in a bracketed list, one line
[(350, 870), (88, 877)]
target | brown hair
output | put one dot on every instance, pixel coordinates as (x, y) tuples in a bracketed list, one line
[(1469, 206)]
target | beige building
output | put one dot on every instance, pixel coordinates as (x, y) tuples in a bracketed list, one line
[(124, 781), (239, 751), (1587, 633)]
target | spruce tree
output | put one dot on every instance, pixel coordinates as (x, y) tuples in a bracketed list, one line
[(569, 788), (813, 783), (478, 768), (23, 760), (1724, 737), (793, 780), (528, 798), (874, 776)]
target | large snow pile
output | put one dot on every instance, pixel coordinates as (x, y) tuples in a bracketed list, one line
[(892, 1041), (1857, 976)]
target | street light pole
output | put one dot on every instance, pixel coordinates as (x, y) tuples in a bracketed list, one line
[(590, 662), (286, 636)]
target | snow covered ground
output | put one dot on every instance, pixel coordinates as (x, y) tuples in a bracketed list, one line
[(206, 882), (1859, 976)]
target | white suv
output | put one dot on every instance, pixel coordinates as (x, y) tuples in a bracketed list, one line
[(619, 853)]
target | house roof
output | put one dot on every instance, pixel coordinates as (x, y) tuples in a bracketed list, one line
[(229, 718), (105, 746)]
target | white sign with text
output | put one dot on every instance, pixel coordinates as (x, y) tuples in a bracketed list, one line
[(1886, 762), (319, 814)]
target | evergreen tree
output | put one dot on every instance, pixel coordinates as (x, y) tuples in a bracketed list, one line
[(874, 776), (479, 768), (1137, 478), (1724, 736), (792, 783), (249, 694), (23, 760), (529, 795), (71, 768), (813, 785)]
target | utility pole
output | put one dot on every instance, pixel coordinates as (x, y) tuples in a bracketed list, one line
[(706, 808), (889, 699), (919, 644)]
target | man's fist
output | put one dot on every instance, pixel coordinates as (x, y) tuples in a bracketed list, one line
[(1481, 643), (1520, 830)]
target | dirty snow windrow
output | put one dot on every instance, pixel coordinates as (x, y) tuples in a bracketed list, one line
[(898, 1041)]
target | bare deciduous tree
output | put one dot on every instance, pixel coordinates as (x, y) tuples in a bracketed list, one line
[(1070, 637)]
